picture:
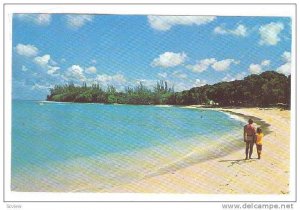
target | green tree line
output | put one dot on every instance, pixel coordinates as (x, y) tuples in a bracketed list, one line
[(140, 94), (268, 88)]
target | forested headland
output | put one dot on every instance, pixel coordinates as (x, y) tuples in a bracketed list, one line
[(267, 89)]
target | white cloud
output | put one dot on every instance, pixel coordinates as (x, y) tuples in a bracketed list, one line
[(38, 19), (258, 68), (255, 68), (240, 30), (269, 33), (224, 65), (117, 80), (150, 83), (286, 56), (47, 63), (169, 59), (179, 75), (199, 83), (52, 69), (240, 76), (164, 23), (229, 77), (75, 72), (163, 75), (220, 30), (77, 21), (265, 63), (202, 65), (91, 70), (26, 50), (286, 67), (41, 87), (24, 68), (180, 86), (43, 60)]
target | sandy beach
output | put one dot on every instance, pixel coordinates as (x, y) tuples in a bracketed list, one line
[(231, 174)]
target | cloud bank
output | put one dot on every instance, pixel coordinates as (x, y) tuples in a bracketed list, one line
[(165, 23)]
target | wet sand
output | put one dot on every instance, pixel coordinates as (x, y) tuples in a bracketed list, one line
[(231, 174)]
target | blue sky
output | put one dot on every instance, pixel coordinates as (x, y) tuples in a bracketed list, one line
[(123, 50)]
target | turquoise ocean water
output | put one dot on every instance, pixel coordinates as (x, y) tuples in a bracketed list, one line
[(89, 147)]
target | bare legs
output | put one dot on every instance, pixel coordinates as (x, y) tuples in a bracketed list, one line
[(259, 149), (249, 146)]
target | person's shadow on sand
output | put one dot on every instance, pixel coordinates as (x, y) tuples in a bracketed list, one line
[(237, 162)]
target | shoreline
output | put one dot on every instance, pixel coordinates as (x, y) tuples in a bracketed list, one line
[(231, 174), (258, 122), (223, 172), (230, 148)]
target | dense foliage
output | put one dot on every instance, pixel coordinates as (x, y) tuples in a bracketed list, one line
[(137, 95), (268, 88)]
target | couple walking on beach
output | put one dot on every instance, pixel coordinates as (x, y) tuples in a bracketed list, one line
[(252, 136)]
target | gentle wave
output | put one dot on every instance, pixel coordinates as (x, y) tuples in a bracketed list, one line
[(164, 106), (236, 117)]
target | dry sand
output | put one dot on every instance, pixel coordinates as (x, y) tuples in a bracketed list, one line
[(231, 174)]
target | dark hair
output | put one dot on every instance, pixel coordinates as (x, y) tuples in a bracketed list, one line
[(250, 121), (259, 130)]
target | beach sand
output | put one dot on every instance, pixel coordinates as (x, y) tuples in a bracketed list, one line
[(231, 174)]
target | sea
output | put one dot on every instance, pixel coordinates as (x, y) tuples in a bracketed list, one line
[(88, 147)]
